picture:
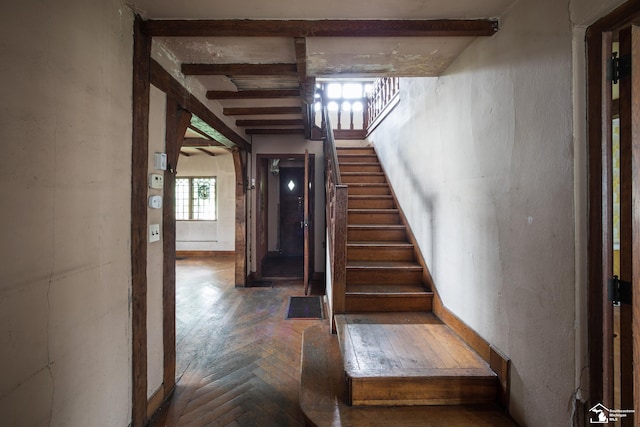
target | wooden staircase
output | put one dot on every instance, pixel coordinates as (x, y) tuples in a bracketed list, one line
[(383, 274), (395, 352)]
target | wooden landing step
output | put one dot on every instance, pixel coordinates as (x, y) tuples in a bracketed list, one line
[(410, 359), (323, 396)]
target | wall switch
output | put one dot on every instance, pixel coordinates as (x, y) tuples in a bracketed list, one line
[(156, 181), (160, 161), (155, 202), (154, 232)]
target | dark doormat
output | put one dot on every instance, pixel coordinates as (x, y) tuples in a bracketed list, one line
[(304, 308), (261, 284)]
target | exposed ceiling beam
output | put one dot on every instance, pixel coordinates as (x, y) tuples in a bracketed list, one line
[(199, 142), (164, 81), (268, 122), (307, 83), (207, 152), (250, 111), (184, 153), (322, 28), (275, 131), (239, 69), (253, 94)]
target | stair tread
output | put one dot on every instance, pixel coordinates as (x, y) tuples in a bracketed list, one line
[(371, 196), (385, 243), (374, 347), (362, 173), (376, 226), (372, 265), (373, 210), (387, 289)]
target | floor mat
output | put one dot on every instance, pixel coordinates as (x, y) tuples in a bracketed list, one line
[(304, 308)]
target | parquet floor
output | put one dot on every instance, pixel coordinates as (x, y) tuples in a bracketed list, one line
[(238, 358)]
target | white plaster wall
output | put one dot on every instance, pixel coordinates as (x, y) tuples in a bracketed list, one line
[(65, 132), (289, 144), (482, 161), (216, 235), (155, 256)]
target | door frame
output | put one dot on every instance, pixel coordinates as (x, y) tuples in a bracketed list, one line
[(260, 252), (599, 246)]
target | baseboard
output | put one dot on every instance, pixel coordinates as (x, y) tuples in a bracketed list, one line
[(204, 254), (498, 362)]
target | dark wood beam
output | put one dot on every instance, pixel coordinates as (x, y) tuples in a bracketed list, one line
[(253, 94), (239, 69), (250, 111), (184, 153), (307, 83), (199, 142), (270, 122), (275, 131), (139, 167), (164, 81), (322, 28), (207, 152)]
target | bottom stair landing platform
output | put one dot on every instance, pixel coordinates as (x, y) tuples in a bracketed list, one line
[(324, 392), (410, 358)]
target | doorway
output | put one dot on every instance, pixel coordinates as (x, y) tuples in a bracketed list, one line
[(614, 221), (285, 200)]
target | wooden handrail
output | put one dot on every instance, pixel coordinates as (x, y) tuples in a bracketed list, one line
[(337, 197)]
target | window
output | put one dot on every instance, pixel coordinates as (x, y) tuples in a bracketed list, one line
[(196, 199)]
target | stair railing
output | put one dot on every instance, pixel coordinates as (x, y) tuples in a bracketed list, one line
[(337, 197)]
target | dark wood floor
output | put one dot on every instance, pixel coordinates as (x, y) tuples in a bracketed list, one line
[(238, 358)]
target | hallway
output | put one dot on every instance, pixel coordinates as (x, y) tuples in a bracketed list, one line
[(238, 358)]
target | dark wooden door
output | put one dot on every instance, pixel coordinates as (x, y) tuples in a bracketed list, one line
[(292, 191), (306, 223)]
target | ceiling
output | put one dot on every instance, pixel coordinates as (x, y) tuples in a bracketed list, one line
[(274, 52)]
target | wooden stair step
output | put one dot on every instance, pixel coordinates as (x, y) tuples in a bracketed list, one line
[(371, 202), (323, 395), (360, 167), (379, 251), (373, 216), (381, 273), (365, 189), (410, 359), (376, 232), (367, 298), (356, 149), (357, 158), (362, 177)]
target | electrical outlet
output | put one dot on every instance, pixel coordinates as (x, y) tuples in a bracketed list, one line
[(154, 232)]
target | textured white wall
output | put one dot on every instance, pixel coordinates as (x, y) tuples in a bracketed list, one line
[(65, 127), (482, 161)]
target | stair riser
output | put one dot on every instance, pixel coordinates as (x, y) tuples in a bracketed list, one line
[(371, 204), (369, 190), (422, 391), (357, 158), (357, 167), (379, 253), (355, 150), (386, 303), (373, 218), (376, 235), (383, 276), (364, 178)]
